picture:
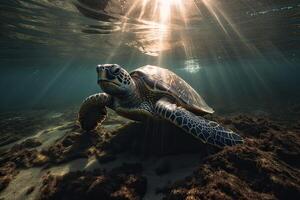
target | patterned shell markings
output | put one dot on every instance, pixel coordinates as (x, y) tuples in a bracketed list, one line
[(164, 80)]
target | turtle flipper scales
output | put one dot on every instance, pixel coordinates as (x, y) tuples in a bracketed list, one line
[(205, 130), (92, 111)]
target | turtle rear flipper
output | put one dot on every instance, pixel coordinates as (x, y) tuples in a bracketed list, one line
[(92, 111), (205, 130)]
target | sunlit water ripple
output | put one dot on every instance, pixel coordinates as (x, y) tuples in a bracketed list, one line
[(213, 28)]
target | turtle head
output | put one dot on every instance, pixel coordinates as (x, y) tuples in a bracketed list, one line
[(115, 80)]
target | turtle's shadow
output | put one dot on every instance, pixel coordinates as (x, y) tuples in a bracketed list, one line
[(155, 138)]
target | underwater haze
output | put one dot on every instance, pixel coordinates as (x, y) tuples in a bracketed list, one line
[(239, 55)]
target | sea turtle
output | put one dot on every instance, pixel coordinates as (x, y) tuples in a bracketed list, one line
[(152, 91)]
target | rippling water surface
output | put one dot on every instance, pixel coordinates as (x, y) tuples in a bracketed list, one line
[(236, 54)]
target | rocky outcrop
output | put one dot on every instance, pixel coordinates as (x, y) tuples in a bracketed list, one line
[(265, 167)]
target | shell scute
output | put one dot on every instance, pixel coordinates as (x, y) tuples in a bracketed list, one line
[(163, 80)]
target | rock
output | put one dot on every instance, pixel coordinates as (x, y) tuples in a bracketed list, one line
[(119, 183), (285, 145), (75, 145), (209, 184), (239, 172), (23, 157), (40, 160), (16, 158), (250, 125)]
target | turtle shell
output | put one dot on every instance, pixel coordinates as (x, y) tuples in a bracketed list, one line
[(162, 80)]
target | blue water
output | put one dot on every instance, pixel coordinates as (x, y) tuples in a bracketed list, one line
[(238, 55)]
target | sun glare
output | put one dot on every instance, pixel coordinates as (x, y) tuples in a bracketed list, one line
[(158, 16), (167, 7)]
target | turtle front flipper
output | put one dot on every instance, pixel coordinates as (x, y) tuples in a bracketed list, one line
[(205, 130), (93, 111)]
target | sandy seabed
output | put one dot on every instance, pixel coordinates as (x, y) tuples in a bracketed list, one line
[(45, 155)]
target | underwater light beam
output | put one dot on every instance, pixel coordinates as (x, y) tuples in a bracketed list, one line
[(156, 17)]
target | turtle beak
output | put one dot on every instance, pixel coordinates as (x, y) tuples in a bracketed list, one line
[(99, 68), (101, 73)]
